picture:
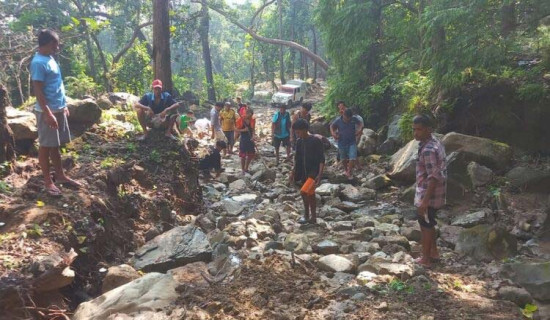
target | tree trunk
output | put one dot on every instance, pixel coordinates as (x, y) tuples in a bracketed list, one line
[(508, 15), (203, 31), (281, 54), (7, 143), (315, 52), (162, 68), (372, 56), (292, 36), (304, 71), (252, 65), (142, 38), (106, 83), (90, 56)]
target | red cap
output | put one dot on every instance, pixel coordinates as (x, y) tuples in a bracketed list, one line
[(157, 84)]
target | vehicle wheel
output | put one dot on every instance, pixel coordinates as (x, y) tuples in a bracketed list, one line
[(290, 103), (301, 100)]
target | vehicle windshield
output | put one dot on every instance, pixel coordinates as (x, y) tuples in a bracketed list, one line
[(287, 89)]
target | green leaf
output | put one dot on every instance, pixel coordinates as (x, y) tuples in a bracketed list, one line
[(528, 310), (81, 239)]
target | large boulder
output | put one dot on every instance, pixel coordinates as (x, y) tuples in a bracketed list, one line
[(534, 277), (83, 112), (485, 243), (472, 219), (495, 155), (479, 175), (529, 179), (394, 131), (319, 128), (104, 103), (22, 124), (378, 182), (403, 163), (123, 99), (152, 292), (367, 142), (177, 247)]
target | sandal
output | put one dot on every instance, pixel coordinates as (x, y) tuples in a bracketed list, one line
[(53, 191), (303, 220)]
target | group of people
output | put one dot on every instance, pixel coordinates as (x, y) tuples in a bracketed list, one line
[(158, 109)]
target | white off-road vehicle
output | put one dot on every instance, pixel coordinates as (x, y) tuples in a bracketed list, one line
[(290, 94)]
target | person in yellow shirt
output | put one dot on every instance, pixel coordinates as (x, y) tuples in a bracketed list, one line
[(228, 117)]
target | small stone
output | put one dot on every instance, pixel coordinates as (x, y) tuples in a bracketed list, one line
[(335, 263), (326, 247), (382, 307), (117, 276), (359, 296), (365, 277)]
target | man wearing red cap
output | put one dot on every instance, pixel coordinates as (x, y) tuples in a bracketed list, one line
[(156, 110)]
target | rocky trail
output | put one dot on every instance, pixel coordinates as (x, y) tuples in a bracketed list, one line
[(157, 241)]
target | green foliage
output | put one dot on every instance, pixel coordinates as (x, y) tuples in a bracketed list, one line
[(529, 310), (531, 92), (155, 156), (81, 85), (5, 188), (415, 57), (133, 73), (400, 286), (181, 83), (110, 162)]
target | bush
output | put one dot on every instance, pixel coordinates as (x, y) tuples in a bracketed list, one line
[(82, 85)]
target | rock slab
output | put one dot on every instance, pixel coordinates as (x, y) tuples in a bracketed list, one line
[(152, 292), (485, 243), (534, 277), (177, 247)]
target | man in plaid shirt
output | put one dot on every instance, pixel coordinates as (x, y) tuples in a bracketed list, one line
[(431, 183)]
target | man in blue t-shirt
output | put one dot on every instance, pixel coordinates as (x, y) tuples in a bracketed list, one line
[(280, 127), (51, 112), (157, 109), (344, 130)]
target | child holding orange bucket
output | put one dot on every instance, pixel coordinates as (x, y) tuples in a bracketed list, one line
[(309, 162)]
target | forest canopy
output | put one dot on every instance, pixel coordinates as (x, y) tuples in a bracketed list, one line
[(379, 55)]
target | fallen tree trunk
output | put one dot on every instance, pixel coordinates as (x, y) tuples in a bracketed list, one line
[(291, 44)]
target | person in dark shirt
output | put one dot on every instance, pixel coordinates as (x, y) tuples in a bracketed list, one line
[(309, 162), (157, 109), (344, 130), (303, 113), (213, 160)]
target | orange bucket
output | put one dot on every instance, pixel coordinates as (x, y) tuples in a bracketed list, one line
[(309, 187)]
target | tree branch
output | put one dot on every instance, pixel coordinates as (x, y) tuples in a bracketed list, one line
[(322, 63), (137, 30), (259, 11)]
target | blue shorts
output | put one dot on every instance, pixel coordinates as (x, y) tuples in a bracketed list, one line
[(348, 152)]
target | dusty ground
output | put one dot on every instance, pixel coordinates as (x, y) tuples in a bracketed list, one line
[(131, 187)]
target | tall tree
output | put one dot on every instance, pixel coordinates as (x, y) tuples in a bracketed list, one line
[(281, 53), (162, 68), (203, 31)]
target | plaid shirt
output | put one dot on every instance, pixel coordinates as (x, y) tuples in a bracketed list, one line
[(431, 164)]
